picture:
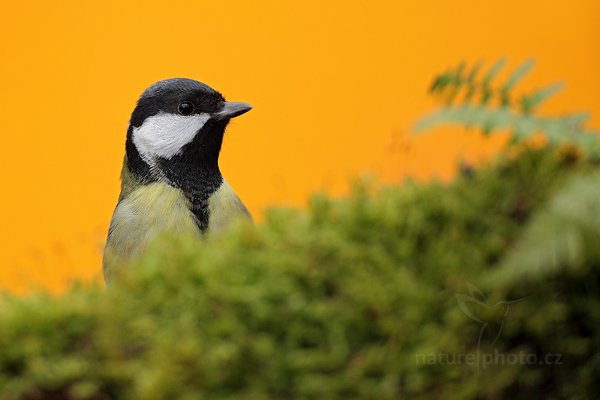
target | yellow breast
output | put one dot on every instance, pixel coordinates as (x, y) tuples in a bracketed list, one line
[(144, 214), (148, 211)]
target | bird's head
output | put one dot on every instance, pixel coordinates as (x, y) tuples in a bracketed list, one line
[(178, 122)]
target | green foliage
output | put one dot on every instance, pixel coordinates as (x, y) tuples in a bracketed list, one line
[(352, 299), (479, 102), (565, 234)]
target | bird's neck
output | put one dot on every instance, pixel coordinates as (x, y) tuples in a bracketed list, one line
[(190, 177), (198, 182), (195, 171)]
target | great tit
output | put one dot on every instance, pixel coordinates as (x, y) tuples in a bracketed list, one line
[(170, 181)]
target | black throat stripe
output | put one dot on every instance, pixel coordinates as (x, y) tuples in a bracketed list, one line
[(197, 184)]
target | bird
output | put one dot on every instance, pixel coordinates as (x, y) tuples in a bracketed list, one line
[(170, 180)]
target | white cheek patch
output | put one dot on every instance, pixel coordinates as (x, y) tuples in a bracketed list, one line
[(165, 135)]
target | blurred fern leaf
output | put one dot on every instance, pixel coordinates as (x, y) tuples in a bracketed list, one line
[(492, 107), (564, 235)]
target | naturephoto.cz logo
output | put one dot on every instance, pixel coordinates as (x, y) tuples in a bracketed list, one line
[(476, 306), (484, 360)]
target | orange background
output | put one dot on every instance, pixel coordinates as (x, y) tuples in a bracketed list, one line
[(336, 86)]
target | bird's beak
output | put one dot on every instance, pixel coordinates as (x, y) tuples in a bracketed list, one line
[(231, 109)]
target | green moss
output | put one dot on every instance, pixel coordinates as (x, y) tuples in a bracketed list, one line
[(353, 298)]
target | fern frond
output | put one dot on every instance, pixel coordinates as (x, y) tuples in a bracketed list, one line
[(565, 235), (491, 107), (512, 80), (532, 100)]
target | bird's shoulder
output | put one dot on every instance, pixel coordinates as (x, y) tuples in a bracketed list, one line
[(225, 207)]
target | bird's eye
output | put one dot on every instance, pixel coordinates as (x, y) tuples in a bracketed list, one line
[(185, 108)]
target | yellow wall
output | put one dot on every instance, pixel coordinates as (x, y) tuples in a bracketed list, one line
[(336, 86)]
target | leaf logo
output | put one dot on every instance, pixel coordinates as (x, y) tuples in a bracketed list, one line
[(473, 304)]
